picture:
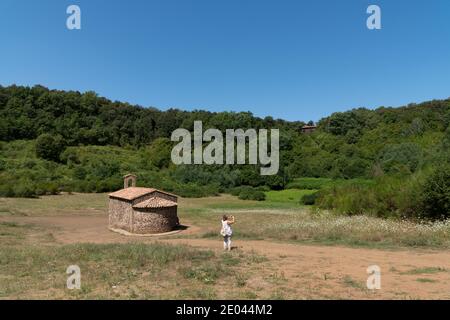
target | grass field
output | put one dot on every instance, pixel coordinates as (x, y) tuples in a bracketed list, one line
[(291, 196), (145, 271), (36, 246), (280, 217)]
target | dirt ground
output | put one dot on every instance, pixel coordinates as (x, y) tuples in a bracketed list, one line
[(306, 271)]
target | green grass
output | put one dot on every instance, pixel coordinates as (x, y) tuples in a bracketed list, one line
[(132, 269), (309, 183), (241, 280), (287, 196), (350, 282), (427, 270), (208, 274), (320, 183), (9, 224), (12, 233), (291, 222), (86, 169), (278, 218), (426, 280), (33, 264), (65, 204)]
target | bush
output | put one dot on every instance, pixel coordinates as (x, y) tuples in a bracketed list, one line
[(108, 185), (86, 186), (238, 190), (2, 164), (69, 157), (401, 158), (252, 194), (309, 183), (309, 199), (274, 182), (24, 191), (195, 191), (262, 188), (436, 194), (356, 168), (259, 196), (322, 183), (6, 191), (50, 147), (79, 173), (384, 197), (346, 199)]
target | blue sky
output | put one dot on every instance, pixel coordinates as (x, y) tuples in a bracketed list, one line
[(296, 60)]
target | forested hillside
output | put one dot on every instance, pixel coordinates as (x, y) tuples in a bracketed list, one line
[(86, 119), (55, 141)]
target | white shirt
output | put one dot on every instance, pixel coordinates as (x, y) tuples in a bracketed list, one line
[(226, 228)]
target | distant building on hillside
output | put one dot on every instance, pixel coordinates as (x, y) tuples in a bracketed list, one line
[(139, 210), (309, 129)]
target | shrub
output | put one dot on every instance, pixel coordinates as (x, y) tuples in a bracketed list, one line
[(309, 183), (158, 153), (401, 158), (356, 168), (322, 183), (2, 164), (309, 199), (436, 194), (79, 172), (384, 197), (262, 188), (6, 191), (238, 190), (49, 147), (195, 191), (274, 182), (69, 157), (24, 191), (104, 168), (259, 196), (251, 194), (347, 199), (86, 186)]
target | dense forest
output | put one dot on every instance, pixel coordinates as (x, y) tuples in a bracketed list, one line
[(389, 161)]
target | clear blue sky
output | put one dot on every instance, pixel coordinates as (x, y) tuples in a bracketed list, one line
[(297, 60)]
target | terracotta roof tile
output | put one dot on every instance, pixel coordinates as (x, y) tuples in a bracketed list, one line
[(155, 202), (131, 193)]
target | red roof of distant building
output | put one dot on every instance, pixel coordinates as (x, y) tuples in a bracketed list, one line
[(133, 193), (155, 202)]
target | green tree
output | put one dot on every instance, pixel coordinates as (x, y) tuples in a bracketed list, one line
[(401, 157), (417, 127), (436, 194), (159, 153), (446, 140), (50, 147)]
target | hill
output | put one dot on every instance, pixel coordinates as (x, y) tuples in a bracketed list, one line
[(55, 141)]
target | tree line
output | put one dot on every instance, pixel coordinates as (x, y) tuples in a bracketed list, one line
[(63, 137)]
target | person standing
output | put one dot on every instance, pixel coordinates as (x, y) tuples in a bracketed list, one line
[(226, 231)]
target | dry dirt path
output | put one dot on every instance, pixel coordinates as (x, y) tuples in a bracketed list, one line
[(307, 271)]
